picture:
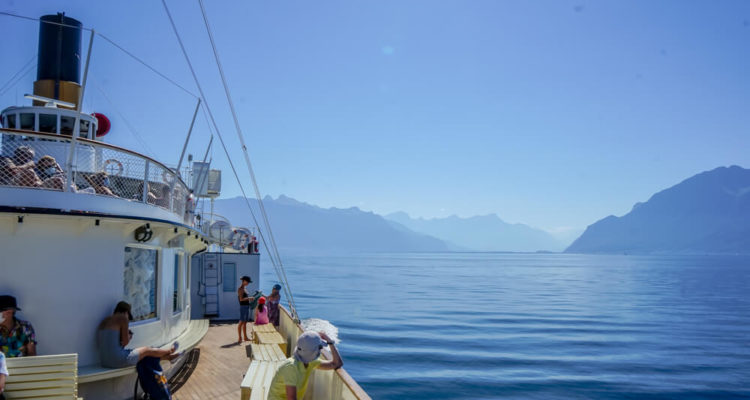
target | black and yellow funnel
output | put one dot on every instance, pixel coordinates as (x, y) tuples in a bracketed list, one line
[(58, 73)]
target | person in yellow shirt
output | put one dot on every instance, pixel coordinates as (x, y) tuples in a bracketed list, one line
[(290, 381)]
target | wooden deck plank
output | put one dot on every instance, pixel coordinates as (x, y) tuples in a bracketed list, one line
[(220, 367)]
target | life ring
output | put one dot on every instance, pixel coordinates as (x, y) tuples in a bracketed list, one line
[(113, 167), (240, 239)]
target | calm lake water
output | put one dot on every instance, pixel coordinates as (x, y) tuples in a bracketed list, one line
[(533, 326)]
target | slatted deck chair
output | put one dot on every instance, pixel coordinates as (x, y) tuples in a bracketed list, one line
[(42, 377)]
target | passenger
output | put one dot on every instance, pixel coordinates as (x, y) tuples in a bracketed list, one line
[(17, 338), (7, 172), (51, 174), (113, 335), (23, 158), (100, 183), (150, 197), (3, 375), (163, 201), (261, 313), (273, 301), (245, 302), (290, 381), (190, 208)]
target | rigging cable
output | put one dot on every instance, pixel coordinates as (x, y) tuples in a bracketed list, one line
[(112, 42), (20, 74), (146, 65), (242, 140), (130, 126), (231, 164)]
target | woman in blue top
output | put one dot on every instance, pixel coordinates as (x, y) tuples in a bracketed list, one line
[(113, 335)]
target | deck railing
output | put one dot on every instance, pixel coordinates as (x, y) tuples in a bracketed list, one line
[(39, 160)]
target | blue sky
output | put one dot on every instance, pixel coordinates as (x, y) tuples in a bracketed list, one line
[(550, 113)]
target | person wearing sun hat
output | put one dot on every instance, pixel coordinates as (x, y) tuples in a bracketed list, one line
[(290, 381), (17, 337)]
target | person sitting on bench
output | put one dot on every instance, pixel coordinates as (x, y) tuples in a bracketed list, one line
[(113, 335)]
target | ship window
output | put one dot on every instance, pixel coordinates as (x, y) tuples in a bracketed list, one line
[(11, 121), (140, 281), (48, 123), (66, 125), (177, 290), (27, 121), (84, 129), (229, 276)]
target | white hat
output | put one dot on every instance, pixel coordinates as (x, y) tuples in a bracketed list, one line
[(308, 348)]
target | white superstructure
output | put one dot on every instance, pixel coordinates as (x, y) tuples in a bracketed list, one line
[(85, 224)]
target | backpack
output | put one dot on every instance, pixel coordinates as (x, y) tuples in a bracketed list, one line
[(152, 379)]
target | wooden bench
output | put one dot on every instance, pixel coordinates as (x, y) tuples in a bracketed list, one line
[(258, 379), (267, 352), (42, 377), (264, 328), (271, 338)]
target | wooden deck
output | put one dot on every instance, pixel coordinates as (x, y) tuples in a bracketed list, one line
[(215, 368)]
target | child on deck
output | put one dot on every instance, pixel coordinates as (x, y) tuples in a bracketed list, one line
[(261, 313)]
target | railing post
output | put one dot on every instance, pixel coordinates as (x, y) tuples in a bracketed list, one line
[(145, 183), (77, 125)]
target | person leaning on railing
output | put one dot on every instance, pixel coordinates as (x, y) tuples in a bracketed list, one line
[(7, 172), (51, 173), (25, 174), (290, 381), (150, 197), (100, 183)]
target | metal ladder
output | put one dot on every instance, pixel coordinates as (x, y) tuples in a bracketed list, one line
[(211, 283)]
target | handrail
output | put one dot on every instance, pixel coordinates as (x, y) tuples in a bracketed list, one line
[(133, 176), (91, 142)]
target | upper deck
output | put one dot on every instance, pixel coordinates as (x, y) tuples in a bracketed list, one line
[(52, 171)]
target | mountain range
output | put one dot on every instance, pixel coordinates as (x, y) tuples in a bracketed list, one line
[(299, 226), (481, 233), (706, 213)]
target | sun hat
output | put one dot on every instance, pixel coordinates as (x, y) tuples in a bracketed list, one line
[(246, 279), (277, 286), (308, 348), (8, 302)]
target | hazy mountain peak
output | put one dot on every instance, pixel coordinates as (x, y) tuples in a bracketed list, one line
[(707, 212), (481, 232), (304, 227)]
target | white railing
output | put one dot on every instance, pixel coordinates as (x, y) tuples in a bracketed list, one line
[(37, 160)]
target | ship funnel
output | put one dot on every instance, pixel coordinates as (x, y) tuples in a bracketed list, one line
[(58, 73)]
